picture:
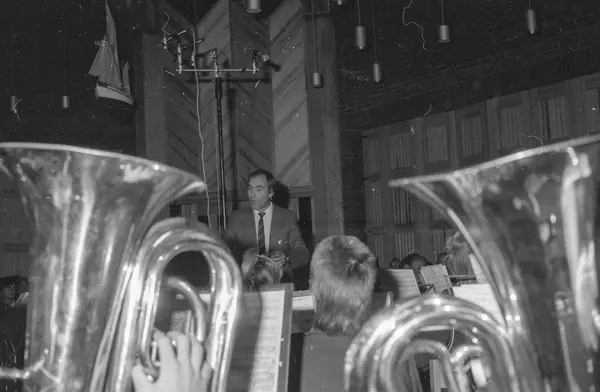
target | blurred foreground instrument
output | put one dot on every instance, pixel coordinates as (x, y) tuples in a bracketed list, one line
[(530, 221), (96, 266)]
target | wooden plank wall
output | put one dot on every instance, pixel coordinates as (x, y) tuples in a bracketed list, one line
[(253, 103), (456, 139), (215, 29), (15, 234), (182, 125), (290, 112)]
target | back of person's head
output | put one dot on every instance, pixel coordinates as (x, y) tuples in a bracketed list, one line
[(457, 255), (395, 263), (414, 261), (343, 274), (258, 271)]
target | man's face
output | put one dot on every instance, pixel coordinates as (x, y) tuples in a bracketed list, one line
[(9, 292), (258, 192)]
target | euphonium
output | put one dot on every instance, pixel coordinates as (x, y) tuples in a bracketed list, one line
[(96, 266), (529, 219)]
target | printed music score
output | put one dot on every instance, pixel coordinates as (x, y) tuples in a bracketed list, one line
[(257, 352), (438, 276), (303, 300), (401, 282), (480, 294)]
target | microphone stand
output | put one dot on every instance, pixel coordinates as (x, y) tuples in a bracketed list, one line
[(217, 80)]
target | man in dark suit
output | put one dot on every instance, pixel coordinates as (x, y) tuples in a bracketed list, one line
[(270, 229)]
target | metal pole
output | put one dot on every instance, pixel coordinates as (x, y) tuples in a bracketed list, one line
[(218, 85)]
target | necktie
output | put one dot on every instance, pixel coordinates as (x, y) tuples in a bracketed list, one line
[(262, 249)]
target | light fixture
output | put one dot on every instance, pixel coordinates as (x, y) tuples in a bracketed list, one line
[(13, 103), (65, 98), (253, 6), (361, 31), (317, 80), (531, 20), (443, 29), (444, 34), (340, 2), (317, 77), (377, 74), (361, 37)]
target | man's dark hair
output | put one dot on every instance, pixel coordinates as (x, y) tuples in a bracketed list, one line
[(271, 181)]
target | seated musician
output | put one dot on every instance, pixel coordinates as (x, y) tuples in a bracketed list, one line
[(343, 274), (259, 270), (459, 260), (415, 262)]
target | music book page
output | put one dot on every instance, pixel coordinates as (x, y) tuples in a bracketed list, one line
[(438, 276), (403, 281), (256, 356), (480, 294), (303, 300)]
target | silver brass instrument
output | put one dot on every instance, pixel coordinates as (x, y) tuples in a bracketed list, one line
[(529, 219), (97, 265)]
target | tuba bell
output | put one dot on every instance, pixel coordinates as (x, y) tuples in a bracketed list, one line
[(97, 263), (530, 221)]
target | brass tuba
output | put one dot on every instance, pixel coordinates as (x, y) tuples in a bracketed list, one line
[(97, 265), (529, 219)]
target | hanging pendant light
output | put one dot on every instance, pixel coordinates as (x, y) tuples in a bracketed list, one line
[(317, 77), (66, 102), (443, 29), (361, 37), (13, 103), (531, 19), (377, 74), (253, 6), (361, 31)]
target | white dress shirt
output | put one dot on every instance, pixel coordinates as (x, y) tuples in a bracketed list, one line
[(267, 225)]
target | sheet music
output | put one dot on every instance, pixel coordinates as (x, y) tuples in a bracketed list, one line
[(256, 356), (303, 300), (405, 283), (438, 276), (182, 321), (480, 294)]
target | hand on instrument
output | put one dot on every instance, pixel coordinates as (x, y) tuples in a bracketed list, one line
[(278, 257), (184, 371)]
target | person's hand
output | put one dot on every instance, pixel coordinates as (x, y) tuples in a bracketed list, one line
[(185, 371), (278, 257)]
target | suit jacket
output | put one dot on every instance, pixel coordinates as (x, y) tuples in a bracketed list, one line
[(284, 236)]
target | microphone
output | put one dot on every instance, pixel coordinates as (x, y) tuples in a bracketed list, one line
[(261, 56)]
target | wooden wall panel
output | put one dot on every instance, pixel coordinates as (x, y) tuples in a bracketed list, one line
[(215, 29), (290, 112), (590, 118), (15, 232), (458, 139), (252, 96), (182, 125)]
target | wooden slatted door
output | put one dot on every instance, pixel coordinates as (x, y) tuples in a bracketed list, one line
[(438, 156), (374, 187), (553, 113), (590, 122), (510, 121), (15, 231), (402, 142)]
